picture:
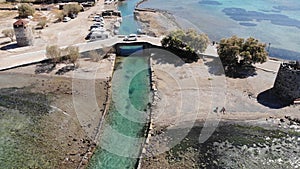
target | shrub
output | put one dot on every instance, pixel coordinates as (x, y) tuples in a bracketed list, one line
[(25, 10), (9, 33), (72, 54), (70, 9), (53, 53), (42, 23)]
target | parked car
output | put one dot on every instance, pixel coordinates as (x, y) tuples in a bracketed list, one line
[(72, 16), (95, 26), (131, 37), (96, 17), (66, 19), (98, 24), (101, 29)]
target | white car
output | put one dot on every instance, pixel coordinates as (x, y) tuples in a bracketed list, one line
[(66, 19), (131, 37), (98, 24)]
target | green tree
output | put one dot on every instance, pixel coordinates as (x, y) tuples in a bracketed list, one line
[(25, 10), (9, 33), (186, 44), (197, 42), (238, 53), (53, 53), (70, 9)]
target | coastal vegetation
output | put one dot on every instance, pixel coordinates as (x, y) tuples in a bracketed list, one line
[(25, 10), (186, 44), (9, 33), (238, 55)]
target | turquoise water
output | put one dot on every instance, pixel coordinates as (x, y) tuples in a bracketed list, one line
[(271, 21), (123, 129), (129, 25)]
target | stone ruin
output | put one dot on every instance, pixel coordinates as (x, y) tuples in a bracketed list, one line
[(23, 33), (287, 83)]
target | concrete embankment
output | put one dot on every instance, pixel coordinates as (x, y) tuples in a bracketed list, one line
[(90, 151), (149, 130)]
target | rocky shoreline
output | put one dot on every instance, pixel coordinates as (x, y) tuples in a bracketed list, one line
[(155, 22)]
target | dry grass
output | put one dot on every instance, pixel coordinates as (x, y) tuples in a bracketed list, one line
[(7, 14)]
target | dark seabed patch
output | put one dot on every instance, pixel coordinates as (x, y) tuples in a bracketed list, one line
[(247, 24), (240, 14), (287, 8), (275, 11), (208, 2)]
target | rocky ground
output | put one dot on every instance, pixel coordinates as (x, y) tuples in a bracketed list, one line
[(248, 133), (156, 23)]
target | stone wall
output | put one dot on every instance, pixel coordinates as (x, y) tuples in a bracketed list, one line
[(287, 83), (23, 36)]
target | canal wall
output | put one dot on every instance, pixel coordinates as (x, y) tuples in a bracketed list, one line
[(149, 130), (91, 149)]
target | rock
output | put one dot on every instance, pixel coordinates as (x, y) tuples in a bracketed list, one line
[(84, 162)]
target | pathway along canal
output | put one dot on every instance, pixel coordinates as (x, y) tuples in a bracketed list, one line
[(123, 130)]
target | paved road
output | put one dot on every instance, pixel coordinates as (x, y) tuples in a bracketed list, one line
[(33, 57)]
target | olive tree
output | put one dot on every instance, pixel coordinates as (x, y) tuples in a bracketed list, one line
[(25, 10), (238, 53), (186, 44), (197, 42), (9, 33)]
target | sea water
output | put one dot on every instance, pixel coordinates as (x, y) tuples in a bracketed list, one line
[(129, 24), (274, 22)]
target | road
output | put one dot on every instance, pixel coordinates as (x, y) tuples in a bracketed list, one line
[(38, 56)]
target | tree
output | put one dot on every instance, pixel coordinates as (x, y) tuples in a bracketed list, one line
[(9, 33), (72, 54), (70, 9), (186, 44), (197, 42), (237, 52), (53, 53), (25, 10)]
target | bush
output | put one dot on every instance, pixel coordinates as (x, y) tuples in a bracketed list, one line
[(25, 10), (95, 56), (70, 9), (9, 33), (72, 54), (42, 23), (59, 15), (53, 53)]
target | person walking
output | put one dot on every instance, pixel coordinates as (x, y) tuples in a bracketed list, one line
[(222, 110)]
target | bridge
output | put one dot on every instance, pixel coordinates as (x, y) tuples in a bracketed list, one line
[(38, 56)]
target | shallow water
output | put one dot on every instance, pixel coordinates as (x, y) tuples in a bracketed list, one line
[(123, 130), (271, 21), (128, 25)]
